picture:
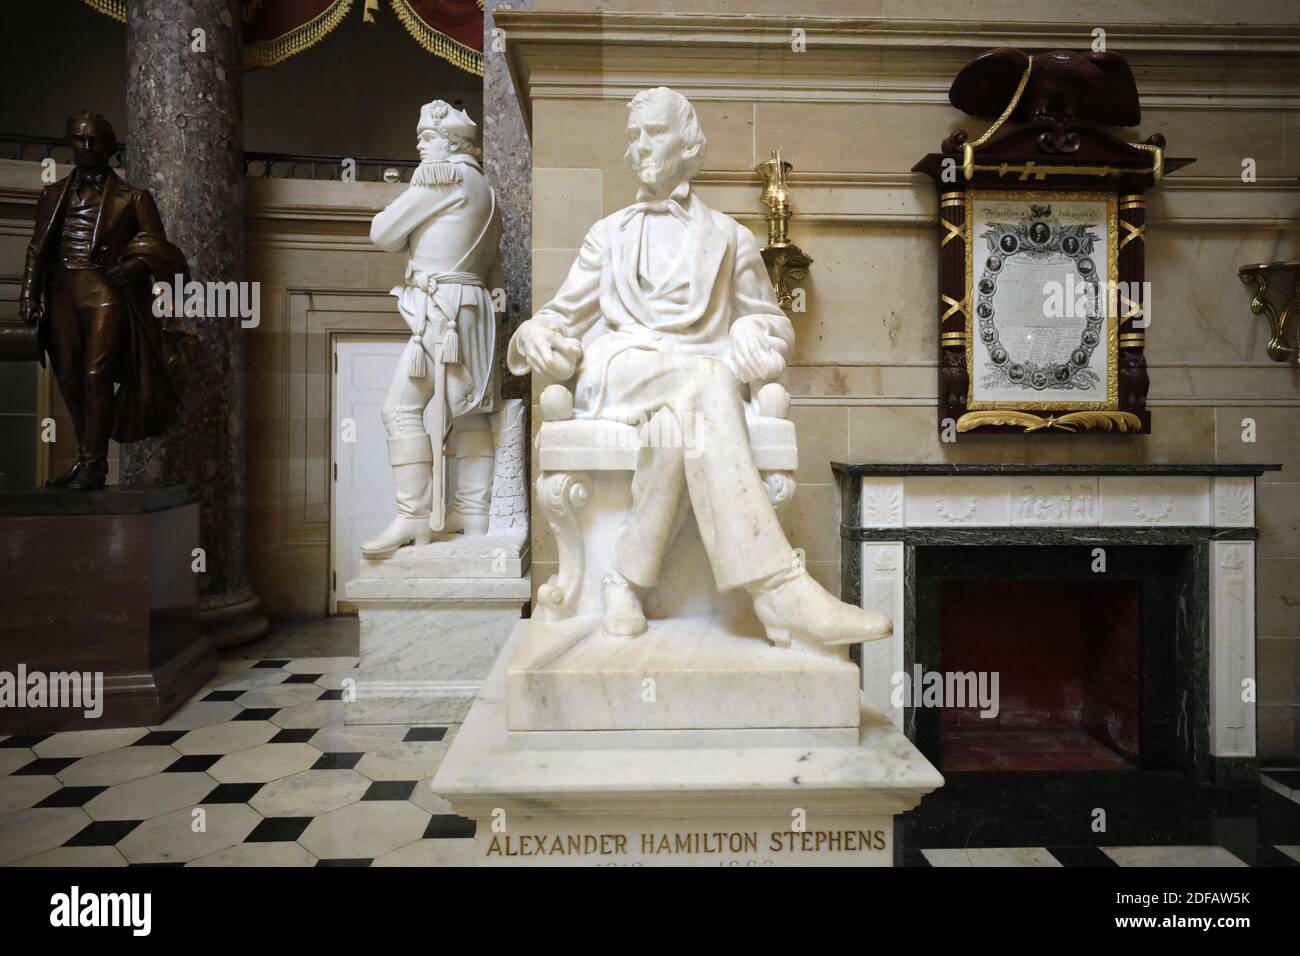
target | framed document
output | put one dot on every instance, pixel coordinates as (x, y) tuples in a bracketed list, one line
[(1043, 307), (1041, 272)]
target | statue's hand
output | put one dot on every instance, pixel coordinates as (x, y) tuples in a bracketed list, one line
[(126, 272), (755, 352), (29, 312), (546, 351)]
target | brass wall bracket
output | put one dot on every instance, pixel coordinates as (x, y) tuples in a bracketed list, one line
[(1279, 307)]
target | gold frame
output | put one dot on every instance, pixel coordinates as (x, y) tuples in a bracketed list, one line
[(1112, 275)]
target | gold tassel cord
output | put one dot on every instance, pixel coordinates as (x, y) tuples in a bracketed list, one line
[(968, 150)]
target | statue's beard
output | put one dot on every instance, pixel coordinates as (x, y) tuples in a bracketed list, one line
[(657, 174)]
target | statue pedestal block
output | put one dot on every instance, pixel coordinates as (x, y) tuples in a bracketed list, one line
[(99, 585), (593, 798), (681, 674), (433, 619)]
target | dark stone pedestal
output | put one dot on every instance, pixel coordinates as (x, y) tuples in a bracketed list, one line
[(99, 583)]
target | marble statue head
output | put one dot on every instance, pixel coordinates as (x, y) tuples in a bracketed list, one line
[(92, 140), (444, 130), (665, 142)]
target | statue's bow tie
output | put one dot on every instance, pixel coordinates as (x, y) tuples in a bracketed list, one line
[(85, 178), (669, 205)]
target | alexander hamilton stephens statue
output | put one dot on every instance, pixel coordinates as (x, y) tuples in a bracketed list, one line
[(86, 287), (668, 307)]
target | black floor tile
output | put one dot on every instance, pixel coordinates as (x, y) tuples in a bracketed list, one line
[(911, 856), (390, 790), (223, 695), (303, 678), (294, 736), (448, 826), (272, 663), (71, 796), (1080, 856), (45, 765), (337, 761), (1269, 856), (425, 733), (1052, 809), (232, 793), (257, 713), (193, 763), (349, 862), (1287, 778), (278, 830), (22, 740), (103, 833), (160, 738), (336, 694)]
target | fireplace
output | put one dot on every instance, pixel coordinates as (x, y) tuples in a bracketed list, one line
[(1112, 605), (1084, 663)]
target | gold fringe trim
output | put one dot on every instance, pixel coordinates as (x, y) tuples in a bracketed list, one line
[(1073, 422), (439, 44), (111, 8), (271, 52)]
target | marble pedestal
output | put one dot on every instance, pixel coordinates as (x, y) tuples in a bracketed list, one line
[(433, 619), (668, 797)]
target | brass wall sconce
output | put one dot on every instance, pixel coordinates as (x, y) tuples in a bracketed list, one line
[(1277, 295), (786, 263)]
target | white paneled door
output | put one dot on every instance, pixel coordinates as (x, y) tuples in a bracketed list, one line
[(361, 502)]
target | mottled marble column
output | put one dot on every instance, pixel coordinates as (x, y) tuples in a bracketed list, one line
[(508, 159), (185, 145)]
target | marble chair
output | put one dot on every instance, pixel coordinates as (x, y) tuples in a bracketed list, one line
[(584, 486)]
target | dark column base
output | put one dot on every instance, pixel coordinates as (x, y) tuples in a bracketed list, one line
[(1236, 772), (100, 583), (233, 619)]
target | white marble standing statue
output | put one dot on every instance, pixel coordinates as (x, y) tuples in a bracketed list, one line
[(683, 315), (448, 224)]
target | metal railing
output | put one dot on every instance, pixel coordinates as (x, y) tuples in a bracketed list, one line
[(258, 165)]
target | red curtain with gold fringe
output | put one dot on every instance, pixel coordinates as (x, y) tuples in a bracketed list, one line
[(275, 30)]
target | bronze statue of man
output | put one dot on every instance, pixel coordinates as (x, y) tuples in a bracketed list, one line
[(97, 245)]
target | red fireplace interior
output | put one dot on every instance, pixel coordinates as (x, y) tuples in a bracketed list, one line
[(1068, 656)]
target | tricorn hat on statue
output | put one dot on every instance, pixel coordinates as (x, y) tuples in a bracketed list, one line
[(444, 119)]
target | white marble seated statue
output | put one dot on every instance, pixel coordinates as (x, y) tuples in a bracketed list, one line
[(669, 307), (448, 224)]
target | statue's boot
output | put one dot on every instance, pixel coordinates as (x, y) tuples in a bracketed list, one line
[(473, 499), (66, 478), (790, 603), (92, 473), (623, 614), (412, 459)]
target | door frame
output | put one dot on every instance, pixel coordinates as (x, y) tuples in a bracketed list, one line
[(334, 605)]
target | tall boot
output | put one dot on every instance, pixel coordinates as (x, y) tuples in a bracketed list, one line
[(92, 467), (412, 459), (475, 462)]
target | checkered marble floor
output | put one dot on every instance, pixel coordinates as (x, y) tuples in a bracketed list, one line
[(258, 769)]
